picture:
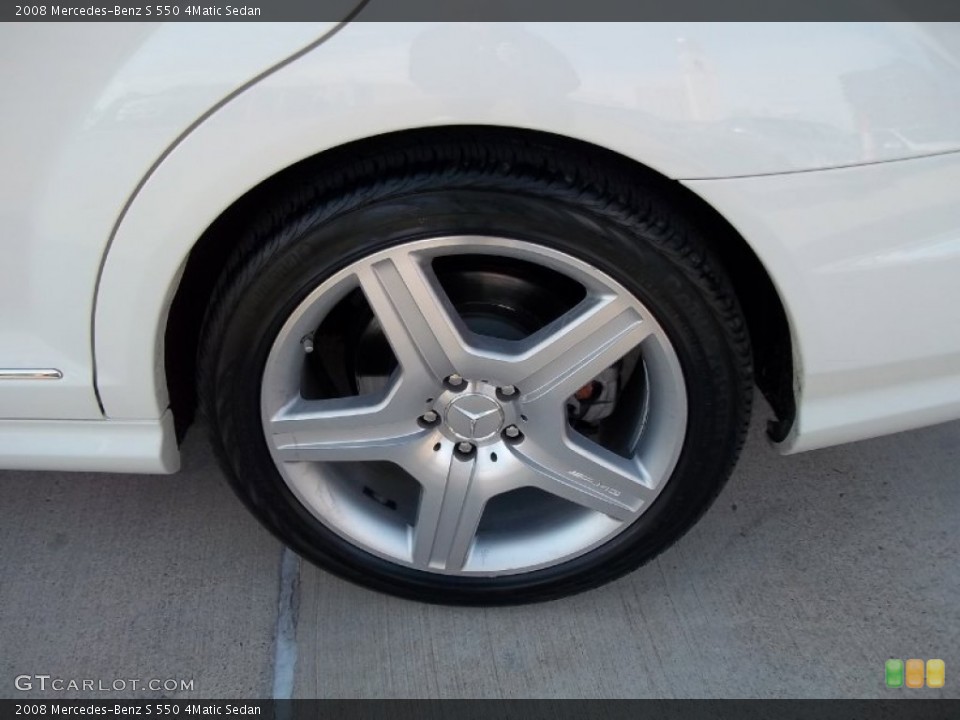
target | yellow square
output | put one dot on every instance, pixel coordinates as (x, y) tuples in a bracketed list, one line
[(914, 673), (936, 673)]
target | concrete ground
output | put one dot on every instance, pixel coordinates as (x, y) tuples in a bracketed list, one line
[(807, 574)]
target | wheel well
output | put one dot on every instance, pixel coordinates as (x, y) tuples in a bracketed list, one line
[(762, 307)]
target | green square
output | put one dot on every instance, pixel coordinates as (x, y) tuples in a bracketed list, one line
[(894, 673)]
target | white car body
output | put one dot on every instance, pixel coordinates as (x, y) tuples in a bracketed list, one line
[(122, 143)]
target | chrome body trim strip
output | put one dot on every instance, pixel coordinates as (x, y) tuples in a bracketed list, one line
[(30, 374)]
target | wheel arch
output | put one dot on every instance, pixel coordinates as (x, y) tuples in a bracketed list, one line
[(763, 307)]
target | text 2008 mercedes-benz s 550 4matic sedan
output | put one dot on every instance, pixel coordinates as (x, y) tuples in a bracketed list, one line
[(474, 313)]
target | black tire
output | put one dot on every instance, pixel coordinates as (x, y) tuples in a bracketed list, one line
[(616, 220)]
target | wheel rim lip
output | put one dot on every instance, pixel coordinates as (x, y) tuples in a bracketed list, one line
[(285, 357)]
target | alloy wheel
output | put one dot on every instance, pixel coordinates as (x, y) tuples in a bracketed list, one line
[(468, 456)]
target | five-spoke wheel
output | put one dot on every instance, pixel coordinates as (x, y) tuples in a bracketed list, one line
[(470, 417)]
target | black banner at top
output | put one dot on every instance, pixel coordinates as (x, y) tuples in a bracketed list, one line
[(480, 10)]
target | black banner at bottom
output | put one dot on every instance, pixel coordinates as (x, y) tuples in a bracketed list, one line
[(902, 709)]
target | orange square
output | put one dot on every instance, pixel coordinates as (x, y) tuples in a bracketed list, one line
[(914, 674)]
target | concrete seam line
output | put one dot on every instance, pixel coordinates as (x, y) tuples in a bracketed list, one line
[(285, 636)]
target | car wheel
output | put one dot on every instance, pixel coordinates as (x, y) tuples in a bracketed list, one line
[(477, 373)]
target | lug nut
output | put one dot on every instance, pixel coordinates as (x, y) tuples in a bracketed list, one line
[(508, 390), (464, 448), (429, 417), (455, 380), (512, 432)]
